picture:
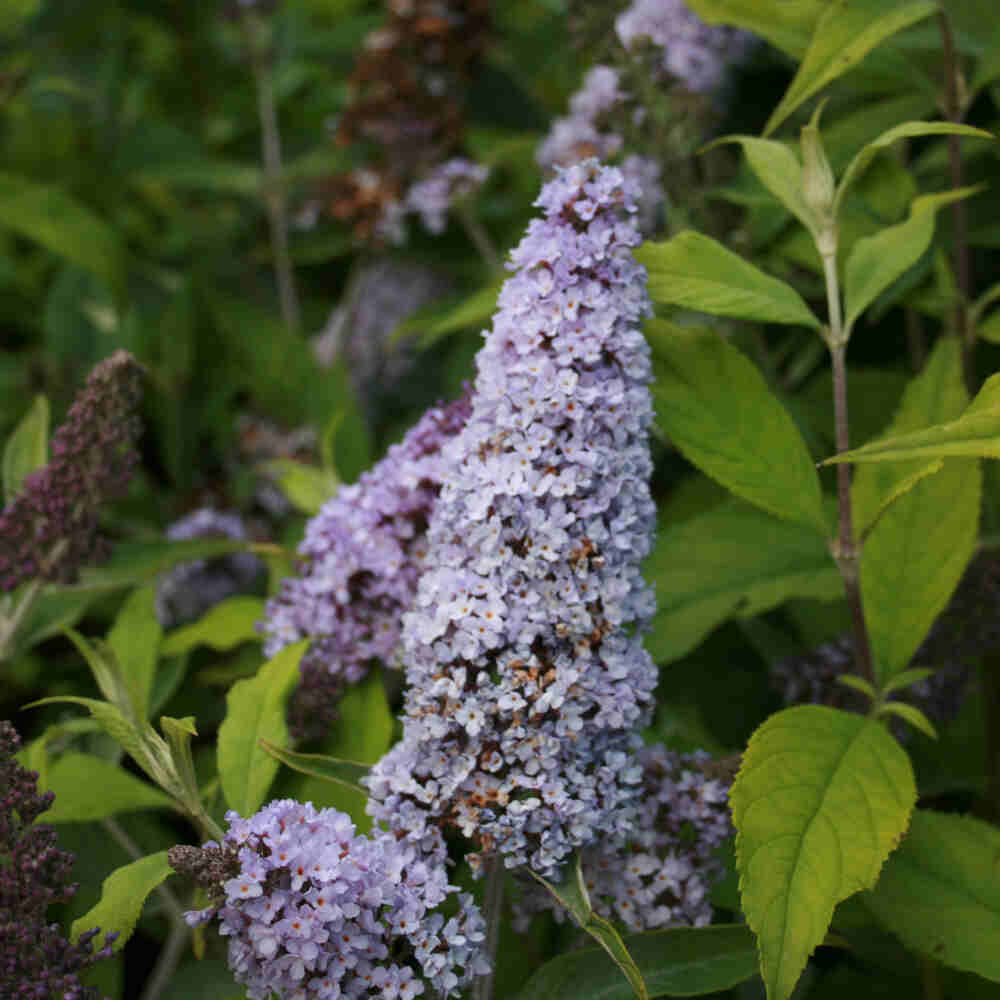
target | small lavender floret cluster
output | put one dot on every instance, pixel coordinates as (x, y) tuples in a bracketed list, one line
[(526, 671), (434, 194), (314, 911), (693, 52), (662, 876), (49, 529), (36, 961), (360, 561), (190, 589)]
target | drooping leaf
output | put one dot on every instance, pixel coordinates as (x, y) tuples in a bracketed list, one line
[(222, 627), (91, 788), (733, 559), (911, 715), (135, 641), (306, 486), (255, 710), (343, 772), (682, 962), (697, 272), (820, 800), (123, 896), (940, 891), (27, 448), (715, 406), (875, 262), (844, 34)]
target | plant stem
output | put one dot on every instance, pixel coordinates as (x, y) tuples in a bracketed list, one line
[(930, 979), (492, 906), (845, 551), (274, 191)]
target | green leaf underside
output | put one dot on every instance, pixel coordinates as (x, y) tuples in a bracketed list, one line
[(90, 788), (715, 406), (821, 799), (223, 627), (344, 772), (26, 449), (123, 895), (255, 710), (940, 892), (844, 34), (731, 559), (682, 962), (697, 272)]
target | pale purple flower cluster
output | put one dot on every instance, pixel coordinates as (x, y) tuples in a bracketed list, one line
[(361, 558), (313, 911), (694, 53), (526, 670), (662, 876), (434, 194)]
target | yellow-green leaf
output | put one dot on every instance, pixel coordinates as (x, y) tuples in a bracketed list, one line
[(27, 448), (135, 641), (222, 627), (306, 486), (821, 799), (787, 25)]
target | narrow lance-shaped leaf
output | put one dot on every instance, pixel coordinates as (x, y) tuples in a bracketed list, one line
[(716, 407), (27, 448), (940, 892), (318, 765), (844, 34), (222, 627), (697, 272), (820, 800), (135, 641)]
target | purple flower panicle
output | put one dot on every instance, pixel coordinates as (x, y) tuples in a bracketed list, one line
[(432, 195)]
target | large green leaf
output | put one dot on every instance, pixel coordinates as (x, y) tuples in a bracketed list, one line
[(222, 627), (123, 895), (682, 962), (917, 551), (27, 448), (54, 218), (820, 800), (940, 891), (255, 710), (135, 641), (844, 34), (91, 788), (788, 25), (715, 406), (697, 272), (875, 262), (733, 559)]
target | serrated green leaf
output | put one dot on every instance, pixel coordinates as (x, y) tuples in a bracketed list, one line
[(255, 710), (731, 559), (875, 262), (715, 406), (74, 777), (27, 448), (343, 772), (697, 272), (940, 892), (845, 33), (681, 962), (820, 800), (222, 627), (910, 714), (135, 641), (306, 486), (123, 896), (899, 489)]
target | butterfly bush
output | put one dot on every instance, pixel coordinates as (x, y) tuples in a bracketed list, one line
[(662, 876), (527, 678), (313, 910), (434, 194), (360, 560)]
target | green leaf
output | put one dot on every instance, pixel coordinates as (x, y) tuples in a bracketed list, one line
[(306, 486), (916, 553), (940, 892), (906, 678), (681, 962), (219, 176), (875, 262), (135, 641), (820, 800), (222, 627), (910, 714), (123, 895), (697, 272), (76, 778), (907, 130), (844, 34), (859, 684), (54, 218), (437, 320), (731, 559), (788, 26), (107, 674), (255, 710), (344, 772), (27, 448), (715, 406)]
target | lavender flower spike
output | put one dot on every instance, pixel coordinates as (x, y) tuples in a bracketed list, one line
[(313, 911), (361, 558), (526, 671)]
